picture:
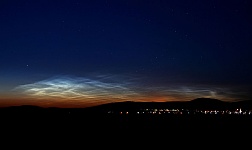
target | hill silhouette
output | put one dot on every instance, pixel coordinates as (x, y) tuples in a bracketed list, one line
[(108, 116), (106, 119), (199, 103)]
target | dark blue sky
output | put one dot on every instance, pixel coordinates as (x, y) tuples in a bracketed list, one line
[(156, 50)]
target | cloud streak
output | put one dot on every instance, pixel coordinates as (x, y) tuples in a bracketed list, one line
[(110, 88), (78, 89)]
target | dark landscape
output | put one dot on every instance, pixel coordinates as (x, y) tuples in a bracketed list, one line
[(125, 124), (200, 114)]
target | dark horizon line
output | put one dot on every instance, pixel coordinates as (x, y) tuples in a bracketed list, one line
[(129, 101)]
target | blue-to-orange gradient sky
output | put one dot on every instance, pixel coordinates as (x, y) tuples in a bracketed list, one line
[(79, 53)]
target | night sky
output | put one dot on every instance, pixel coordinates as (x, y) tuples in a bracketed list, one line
[(79, 53)]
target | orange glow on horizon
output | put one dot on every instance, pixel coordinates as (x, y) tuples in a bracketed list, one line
[(74, 103)]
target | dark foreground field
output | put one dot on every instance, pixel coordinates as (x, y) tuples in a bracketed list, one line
[(31, 123), (81, 121), (60, 127)]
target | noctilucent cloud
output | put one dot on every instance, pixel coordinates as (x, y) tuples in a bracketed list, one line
[(75, 53)]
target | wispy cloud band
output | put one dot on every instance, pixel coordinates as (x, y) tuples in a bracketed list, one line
[(105, 89)]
